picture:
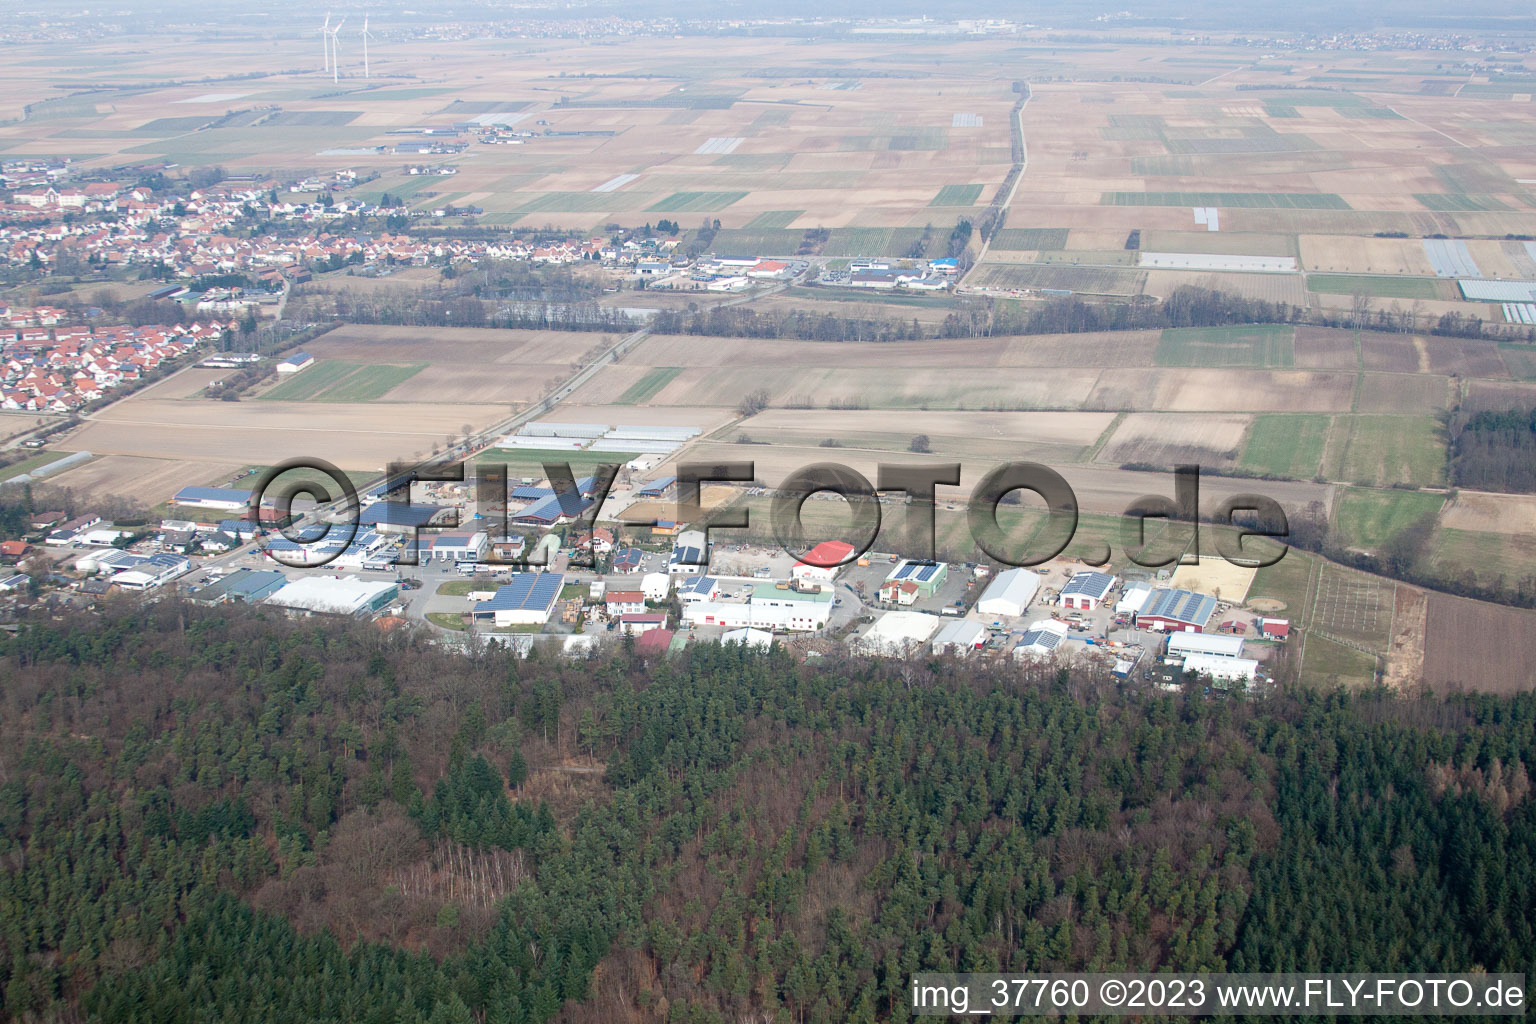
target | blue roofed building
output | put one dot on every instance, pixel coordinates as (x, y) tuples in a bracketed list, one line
[(553, 510), (1176, 611), (395, 517), (1087, 590), (527, 599)]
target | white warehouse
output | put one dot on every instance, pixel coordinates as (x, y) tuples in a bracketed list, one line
[(1010, 593)]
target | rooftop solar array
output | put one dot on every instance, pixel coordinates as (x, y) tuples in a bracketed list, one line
[(1181, 605), (525, 590), (1094, 584), (919, 572)]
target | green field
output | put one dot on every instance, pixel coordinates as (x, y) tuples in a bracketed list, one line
[(1030, 238), (1520, 359), (957, 195), (696, 202), (1444, 203), (1377, 287), (646, 388), (1286, 445), (27, 465), (1367, 517), (1326, 663), (1487, 555), (1385, 450), (774, 219), (1243, 200), (336, 381), (1090, 280), (1287, 581), (1254, 345)]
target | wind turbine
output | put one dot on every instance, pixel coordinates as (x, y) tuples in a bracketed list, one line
[(335, 53), (366, 37), (325, 42)]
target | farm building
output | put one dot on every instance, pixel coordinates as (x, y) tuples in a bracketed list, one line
[(1275, 629), (334, 595), (228, 499), (690, 554), (1085, 591), (296, 362), (961, 636), (896, 633), (525, 600), (1212, 645), (1133, 597), (1041, 639), (624, 602), (1222, 670), (1010, 593), (553, 510), (457, 547), (929, 576), (657, 488), (636, 623), (820, 564), (1176, 611), (700, 588), (247, 585)]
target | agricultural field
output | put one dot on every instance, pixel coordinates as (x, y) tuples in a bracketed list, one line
[(1163, 439), (1286, 445), (1381, 287), (1352, 607), (1367, 518), (336, 381), (978, 439), (1260, 346), (1471, 645), (1384, 450)]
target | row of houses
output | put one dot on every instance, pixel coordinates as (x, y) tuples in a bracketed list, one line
[(60, 369)]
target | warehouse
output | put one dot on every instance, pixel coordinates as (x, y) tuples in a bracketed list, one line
[(154, 571), (1085, 591), (527, 599), (1213, 645), (960, 636), (334, 595), (1221, 670), (928, 577), (296, 362), (395, 517), (456, 547), (897, 633), (1041, 640), (656, 586), (700, 588), (1133, 598), (1176, 611), (553, 510), (1010, 593), (820, 564), (248, 586), (225, 499), (791, 609), (690, 554)]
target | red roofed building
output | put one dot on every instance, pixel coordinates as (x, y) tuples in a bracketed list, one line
[(820, 564)]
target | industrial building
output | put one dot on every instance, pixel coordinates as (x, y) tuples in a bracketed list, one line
[(1220, 669), (1041, 640), (334, 595), (959, 636), (769, 608), (927, 576), (700, 588), (456, 547), (1213, 645), (1010, 593), (1176, 611), (897, 633), (655, 586), (249, 586), (227, 499), (526, 599), (821, 564), (1133, 598), (1085, 591), (690, 554), (154, 571), (396, 517)]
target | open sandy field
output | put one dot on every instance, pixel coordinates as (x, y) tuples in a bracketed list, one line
[(184, 384), (1491, 513), (13, 423), (1164, 439), (361, 437), (1215, 576), (149, 481)]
